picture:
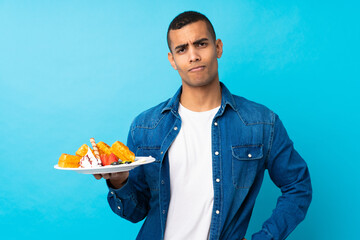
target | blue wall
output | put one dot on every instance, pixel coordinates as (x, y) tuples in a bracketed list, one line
[(71, 70)]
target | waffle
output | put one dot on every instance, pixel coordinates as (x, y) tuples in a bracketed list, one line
[(122, 152)]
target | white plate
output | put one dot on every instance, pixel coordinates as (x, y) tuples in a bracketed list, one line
[(111, 168)]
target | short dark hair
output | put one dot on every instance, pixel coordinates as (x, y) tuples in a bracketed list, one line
[(186, 18)]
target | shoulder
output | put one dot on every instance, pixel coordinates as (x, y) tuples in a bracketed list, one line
[(252, 112), (150, 117)]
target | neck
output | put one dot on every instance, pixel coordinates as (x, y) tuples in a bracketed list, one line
[(200, 99)]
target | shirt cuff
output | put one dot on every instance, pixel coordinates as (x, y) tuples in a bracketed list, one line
[(262, 235), (124, 192)]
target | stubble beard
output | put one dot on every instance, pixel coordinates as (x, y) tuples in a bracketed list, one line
[(195, 83)]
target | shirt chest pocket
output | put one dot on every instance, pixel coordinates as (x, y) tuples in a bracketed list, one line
[(151, 170), (245, 161)]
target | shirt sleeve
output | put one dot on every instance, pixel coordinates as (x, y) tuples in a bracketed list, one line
[(132, 200), (290, 173)]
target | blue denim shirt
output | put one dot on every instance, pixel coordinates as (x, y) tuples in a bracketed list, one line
[(247, 138)]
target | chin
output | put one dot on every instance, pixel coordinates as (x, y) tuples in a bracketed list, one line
[(198, 83)]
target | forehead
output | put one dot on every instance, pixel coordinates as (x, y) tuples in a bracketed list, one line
[(189, 33)]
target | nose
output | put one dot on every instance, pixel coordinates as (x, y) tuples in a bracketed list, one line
[(194, 55)]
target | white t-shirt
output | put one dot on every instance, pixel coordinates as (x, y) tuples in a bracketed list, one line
[(191, 184)]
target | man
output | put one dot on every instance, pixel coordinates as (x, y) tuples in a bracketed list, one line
[(211, 150)]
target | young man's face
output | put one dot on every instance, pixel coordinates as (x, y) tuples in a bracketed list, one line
[(194, 54)]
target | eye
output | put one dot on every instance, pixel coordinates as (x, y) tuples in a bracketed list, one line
[(202, 44), (181, 50)]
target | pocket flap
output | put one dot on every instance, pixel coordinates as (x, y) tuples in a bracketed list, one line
[(145, 151), (247, 152)]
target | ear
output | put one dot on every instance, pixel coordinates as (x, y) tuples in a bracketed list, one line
[(171, 60), (219, 48)]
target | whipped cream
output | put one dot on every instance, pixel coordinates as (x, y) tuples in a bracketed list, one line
[(89, 160)]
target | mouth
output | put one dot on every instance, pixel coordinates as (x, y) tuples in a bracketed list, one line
[(197, 69)]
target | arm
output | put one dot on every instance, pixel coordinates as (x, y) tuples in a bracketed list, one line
[(131, 200), (290, 173)]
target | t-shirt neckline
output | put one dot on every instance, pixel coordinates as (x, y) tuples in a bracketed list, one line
[(182, 108)]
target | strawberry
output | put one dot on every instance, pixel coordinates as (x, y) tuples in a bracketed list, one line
[(108, 159), (104, 159), (112, 158)]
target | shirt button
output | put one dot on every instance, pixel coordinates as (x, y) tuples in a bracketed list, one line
[(163, 211), (119, 207), (162, 152), (112, 192), (249, 155), (216, 153), (217, 212), (215, 123), (162, 181), (175, 128), (218, 180)]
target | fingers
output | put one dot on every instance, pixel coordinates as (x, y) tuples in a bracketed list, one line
[(117, 175), (106, 175), (97, 176)]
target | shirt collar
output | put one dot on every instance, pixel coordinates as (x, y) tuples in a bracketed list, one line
[(226, 99)]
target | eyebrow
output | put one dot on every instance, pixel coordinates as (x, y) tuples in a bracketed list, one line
[(196, 42)]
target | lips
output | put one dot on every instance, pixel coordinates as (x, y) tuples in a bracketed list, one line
[(197, 69)]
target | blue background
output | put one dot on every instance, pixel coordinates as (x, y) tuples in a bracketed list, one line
[(71, 70)]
